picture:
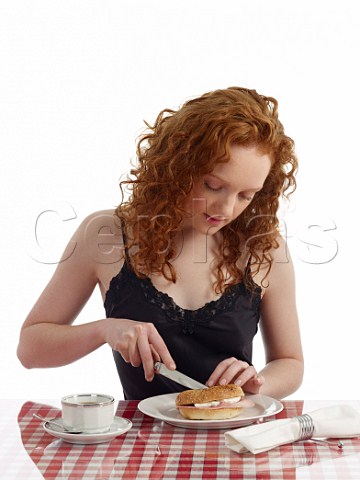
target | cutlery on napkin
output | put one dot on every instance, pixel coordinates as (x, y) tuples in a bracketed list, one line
[(329, 422)]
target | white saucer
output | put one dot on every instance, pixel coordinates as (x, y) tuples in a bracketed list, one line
[(120, 426)]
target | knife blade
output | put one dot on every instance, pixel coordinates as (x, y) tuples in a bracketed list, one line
[(178, 377)]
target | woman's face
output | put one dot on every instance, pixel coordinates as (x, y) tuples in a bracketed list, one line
[(222, 195)]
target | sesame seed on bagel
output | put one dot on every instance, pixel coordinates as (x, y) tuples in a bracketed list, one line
[(204, 395)]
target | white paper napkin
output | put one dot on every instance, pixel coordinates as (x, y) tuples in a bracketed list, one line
[(338, 421)]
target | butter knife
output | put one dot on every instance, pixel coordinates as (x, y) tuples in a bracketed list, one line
[(178, 377)]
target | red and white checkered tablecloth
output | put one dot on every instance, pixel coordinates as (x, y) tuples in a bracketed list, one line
[(154, 450)]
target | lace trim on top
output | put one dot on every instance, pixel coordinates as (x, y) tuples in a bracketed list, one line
[(187, 318)]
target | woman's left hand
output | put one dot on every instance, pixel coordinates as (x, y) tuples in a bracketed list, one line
[(238, 372)]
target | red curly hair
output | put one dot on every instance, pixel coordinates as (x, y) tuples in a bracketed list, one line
[(179, 149)]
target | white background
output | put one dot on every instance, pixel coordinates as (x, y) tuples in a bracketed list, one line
[(78, 78)]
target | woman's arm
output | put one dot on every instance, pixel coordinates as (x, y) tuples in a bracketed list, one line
[(48, 338), (283, 372), (279, 325)]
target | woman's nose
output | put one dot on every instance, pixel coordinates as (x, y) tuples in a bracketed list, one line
[(227, 207)]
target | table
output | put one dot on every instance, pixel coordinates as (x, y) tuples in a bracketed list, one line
[(155, 450)]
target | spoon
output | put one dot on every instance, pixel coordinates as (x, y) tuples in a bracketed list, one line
[(52, 422)]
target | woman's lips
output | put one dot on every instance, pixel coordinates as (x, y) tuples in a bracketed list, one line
[(215, 221)]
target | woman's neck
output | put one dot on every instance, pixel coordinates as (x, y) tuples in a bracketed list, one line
[(199, 247)]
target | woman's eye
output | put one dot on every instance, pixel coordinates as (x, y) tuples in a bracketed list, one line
[(246, 197), (211, 187)]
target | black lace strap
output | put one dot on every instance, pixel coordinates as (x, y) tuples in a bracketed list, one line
[(127, 257)]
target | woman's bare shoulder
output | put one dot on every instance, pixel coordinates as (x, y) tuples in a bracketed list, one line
[(280, 259), (102, 218), (100, 236), (98, 246)]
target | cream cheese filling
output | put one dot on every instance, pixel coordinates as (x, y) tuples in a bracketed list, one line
[(215, 403)]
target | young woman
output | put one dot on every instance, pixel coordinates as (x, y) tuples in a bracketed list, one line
[(194, 261)]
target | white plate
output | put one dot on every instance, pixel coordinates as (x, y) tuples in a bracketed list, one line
[(120, 426), (163, 408)]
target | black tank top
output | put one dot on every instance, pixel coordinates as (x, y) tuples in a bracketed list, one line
[(196, 339)]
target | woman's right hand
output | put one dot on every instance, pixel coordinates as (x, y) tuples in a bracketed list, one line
[(139, 343)]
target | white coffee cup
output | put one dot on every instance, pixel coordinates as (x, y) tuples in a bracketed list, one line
[(88, 412)]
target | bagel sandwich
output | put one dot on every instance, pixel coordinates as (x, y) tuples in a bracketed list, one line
[(213, 403)]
